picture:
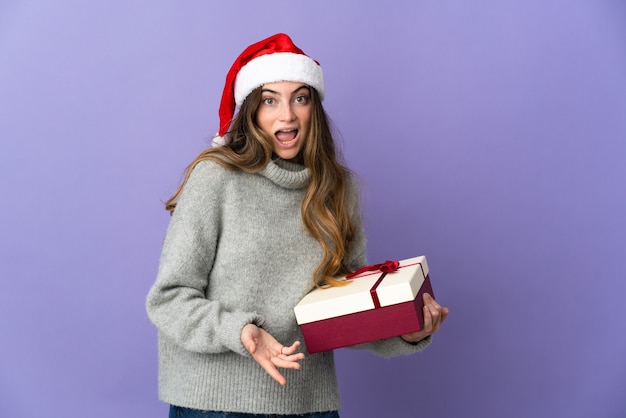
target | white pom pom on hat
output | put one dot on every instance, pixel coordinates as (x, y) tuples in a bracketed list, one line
[(271, 60)]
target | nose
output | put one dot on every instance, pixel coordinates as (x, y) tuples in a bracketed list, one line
[(286, 112)]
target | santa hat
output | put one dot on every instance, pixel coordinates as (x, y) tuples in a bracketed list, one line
[(270, 60)]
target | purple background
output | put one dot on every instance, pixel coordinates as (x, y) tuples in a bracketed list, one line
[(489, 136)]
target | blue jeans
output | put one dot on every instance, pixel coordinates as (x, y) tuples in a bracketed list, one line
[(180, 412)]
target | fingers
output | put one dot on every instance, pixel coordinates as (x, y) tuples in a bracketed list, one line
[(287, 362), (269, 353), (283, 358), (444, 314), (270, 369), (434, 314), (435, 318), (291, 349), (274, 355), (287, 357)]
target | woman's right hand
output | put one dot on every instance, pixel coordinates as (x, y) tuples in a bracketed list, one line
[(269, 353)]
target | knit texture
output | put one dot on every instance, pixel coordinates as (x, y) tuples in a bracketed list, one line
[(237, 252)]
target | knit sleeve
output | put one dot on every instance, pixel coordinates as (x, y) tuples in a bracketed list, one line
[(393, 347), (177, 302)]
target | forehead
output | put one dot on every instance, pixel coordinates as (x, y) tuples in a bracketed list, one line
[(287, 87)]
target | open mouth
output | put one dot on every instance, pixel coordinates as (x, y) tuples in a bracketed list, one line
[(286, 136)]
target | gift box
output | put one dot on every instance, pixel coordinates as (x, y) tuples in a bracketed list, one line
[(379, 301)]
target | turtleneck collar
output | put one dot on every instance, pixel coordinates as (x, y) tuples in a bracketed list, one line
[(287, 174)]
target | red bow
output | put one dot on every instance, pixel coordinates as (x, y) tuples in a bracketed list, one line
[(386, 267)]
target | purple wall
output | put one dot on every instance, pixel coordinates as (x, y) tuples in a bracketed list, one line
[(490, 136)]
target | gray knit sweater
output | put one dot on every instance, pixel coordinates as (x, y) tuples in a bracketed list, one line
[(237, 252)]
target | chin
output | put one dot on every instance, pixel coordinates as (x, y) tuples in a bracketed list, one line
[(295, 157)]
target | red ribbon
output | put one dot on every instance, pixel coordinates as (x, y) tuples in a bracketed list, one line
[(386, 267)]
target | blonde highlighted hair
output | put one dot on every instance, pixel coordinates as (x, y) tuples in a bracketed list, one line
[(324, 211)]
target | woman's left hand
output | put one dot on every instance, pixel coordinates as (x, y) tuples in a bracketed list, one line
[(434, 315), (269, 353)]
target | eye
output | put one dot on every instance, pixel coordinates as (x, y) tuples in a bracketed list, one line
[(269, 101), (302, 99)]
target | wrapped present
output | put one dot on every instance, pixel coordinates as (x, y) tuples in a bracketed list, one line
[(379, 301)]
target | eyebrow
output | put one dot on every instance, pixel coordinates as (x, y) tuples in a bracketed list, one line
[(304, 86)]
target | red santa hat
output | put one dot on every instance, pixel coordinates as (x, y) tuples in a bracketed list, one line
[(271, 60)]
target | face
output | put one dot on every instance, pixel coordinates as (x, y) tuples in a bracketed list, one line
[(284, 115)]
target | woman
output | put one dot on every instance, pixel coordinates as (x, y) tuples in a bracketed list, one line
[(260, 219)]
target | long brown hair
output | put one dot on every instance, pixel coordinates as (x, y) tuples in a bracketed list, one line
[(324, 210)]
